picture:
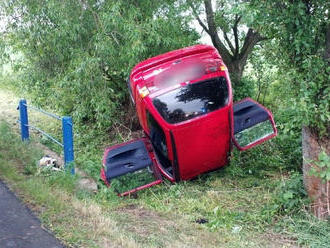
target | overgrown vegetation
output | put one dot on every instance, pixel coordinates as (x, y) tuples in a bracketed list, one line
[(73, 57), (236, 212), (82, 51), (301, 34)]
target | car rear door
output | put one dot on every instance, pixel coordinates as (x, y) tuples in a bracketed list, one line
[(252, 124), (130, 167)]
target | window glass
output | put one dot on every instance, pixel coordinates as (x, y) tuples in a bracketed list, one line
[(254, 133), (192, 100)]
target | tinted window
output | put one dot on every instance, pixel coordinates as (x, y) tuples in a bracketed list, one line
[(192, 100)]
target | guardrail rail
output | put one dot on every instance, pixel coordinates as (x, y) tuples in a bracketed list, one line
[(67, 131)]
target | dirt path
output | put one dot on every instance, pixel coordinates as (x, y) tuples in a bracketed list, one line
[(8, 107)]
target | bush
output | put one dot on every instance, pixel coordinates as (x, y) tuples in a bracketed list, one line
[(244, 88), (290, 197)]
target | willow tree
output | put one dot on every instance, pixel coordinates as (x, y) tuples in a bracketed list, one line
[(78, 53)]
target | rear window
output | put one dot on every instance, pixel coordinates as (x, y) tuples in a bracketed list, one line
[(192, 100)]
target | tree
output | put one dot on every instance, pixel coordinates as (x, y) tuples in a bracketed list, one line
[(78, 53), (302, 32), (226, 26)]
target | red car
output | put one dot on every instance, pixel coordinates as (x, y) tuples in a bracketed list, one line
[(185, 106)]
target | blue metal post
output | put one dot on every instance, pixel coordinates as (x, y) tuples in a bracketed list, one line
[(24, 120), (67, 127)]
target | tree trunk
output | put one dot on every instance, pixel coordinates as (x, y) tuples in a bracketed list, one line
[(318, 191), (235, 69), (235, 58)]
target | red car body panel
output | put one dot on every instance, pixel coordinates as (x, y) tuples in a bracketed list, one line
[(203, 145)]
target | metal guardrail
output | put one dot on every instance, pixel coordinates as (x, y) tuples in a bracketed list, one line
[(67, 134)]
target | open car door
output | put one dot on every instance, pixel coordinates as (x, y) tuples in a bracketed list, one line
[(130, 166), (253, 124)]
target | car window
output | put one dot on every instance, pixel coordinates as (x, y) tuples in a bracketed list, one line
[(192, 100)]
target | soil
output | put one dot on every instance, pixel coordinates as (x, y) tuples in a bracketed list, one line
[(8, 107)]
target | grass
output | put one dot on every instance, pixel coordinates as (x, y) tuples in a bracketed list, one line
[(83, 220), (257, 201)]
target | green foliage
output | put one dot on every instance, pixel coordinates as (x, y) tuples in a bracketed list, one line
[(132, 180), (28, 157), (244, 88), (282, 153), (17, 150), (225, 218), (290, 197), (263, 72), (62, 180), (300, 30), (306, 229), (323, 166), (77, 55)]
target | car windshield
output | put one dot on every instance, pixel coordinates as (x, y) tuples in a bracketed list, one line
[(192, 100)]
